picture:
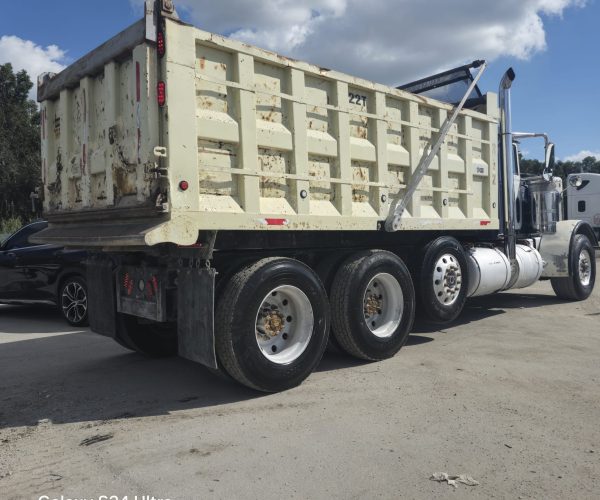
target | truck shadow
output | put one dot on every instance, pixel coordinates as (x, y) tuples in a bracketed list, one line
[(83, 377), (32, 319), (479, 308)]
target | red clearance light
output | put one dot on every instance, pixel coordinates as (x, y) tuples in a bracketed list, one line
[(160, 44), (161, 93), (184, 185)]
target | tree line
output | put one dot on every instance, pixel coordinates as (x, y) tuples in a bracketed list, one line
[(20, 170), (562, 168)]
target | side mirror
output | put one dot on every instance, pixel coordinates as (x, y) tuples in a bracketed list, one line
[(575, 181), (549, 165), (550, 162)]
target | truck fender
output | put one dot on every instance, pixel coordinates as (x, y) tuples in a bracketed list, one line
[(554, 248)]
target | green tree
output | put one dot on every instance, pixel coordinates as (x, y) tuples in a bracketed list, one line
[(19, 144)]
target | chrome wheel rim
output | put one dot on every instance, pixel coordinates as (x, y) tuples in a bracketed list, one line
[(74, 302), (447, 279), (383, 305), (284, 324), (585, 268)]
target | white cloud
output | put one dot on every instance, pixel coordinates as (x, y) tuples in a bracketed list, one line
[(389, 42), (33, 58), (583, 154)]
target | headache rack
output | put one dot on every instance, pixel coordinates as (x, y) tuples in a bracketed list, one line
[(449, 86)]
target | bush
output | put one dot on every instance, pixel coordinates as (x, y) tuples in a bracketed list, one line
[(10, 225)]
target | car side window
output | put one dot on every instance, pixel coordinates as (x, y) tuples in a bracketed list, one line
[(21, 238)]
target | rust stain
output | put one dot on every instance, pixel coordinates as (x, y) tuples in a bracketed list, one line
[(123, 182), (202, 62)]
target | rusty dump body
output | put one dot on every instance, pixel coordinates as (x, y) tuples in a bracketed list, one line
[(246, 140)]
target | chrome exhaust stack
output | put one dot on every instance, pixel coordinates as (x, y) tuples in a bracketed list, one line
[(506, 139)]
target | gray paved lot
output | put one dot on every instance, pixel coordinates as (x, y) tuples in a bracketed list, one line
[(510, 396)]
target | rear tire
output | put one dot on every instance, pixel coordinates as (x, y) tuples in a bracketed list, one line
[(272, 324), (582, 264), (156, 340), (442, 285), (326, 270), (372, 305)]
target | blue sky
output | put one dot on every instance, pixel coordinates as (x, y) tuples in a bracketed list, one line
[(557, 88)]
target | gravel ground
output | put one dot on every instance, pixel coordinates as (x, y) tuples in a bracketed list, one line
[(509, 395)]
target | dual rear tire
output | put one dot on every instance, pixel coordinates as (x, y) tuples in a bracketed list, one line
[(272, 324), (372, 305), (273, 317)]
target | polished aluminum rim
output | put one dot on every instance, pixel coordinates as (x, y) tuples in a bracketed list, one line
[(585, 268), (284, 324), (447, 279), (383, 305), (74, 302)]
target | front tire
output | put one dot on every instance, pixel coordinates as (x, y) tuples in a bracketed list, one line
[(582, 264), (272, 324), (72, 300), (442, 283), (372, 305)]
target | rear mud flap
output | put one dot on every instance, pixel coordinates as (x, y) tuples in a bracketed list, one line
[(195, 315), (102, 300)]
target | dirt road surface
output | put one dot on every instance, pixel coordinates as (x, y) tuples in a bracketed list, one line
[(510, 395)]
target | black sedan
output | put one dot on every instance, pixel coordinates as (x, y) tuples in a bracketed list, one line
[(45, 274)]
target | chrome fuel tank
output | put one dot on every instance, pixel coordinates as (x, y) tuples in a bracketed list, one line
[(489, 271)]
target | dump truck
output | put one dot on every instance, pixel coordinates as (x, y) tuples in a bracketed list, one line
[(245, 211)]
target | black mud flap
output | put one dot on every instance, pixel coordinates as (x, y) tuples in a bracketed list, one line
[(195, 315), (101, 297)]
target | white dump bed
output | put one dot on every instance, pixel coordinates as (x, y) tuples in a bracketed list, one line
[(259, 141)]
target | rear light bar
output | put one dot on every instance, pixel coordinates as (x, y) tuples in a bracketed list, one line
[(160, 44), (161, 93)]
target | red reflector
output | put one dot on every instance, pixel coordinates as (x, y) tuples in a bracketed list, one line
[(276, 222), (160, 44), (184, 185), (485, 222), (161, 93), (149, 290)]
